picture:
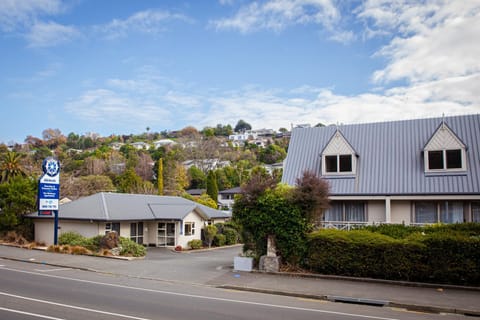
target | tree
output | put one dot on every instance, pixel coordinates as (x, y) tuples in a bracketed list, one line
[(160, 177), (206, 201), (266, 209), (212, 187), (242, 126), (197, 178), (210, 232), (272, 154), (128, 181), (311, 196), (10, 166), (17, 197)]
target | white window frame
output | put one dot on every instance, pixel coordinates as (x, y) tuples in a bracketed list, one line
[(338, 172), (192, 228), (463, 154)]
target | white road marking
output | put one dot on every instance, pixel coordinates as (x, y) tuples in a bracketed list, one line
[(53, 270), (71, 306), (204, 297), (30, 314)]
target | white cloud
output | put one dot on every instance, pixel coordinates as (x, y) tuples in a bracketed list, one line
[(50, 34), (277, 15), (433, 40), (149, 21), (106, 106), (16, 14)]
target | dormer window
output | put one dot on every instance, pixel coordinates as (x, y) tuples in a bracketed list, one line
[(445, 159), (445, 152), (338, 163), (338, 157)]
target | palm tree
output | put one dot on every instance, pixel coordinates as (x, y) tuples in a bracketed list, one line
[(10, 166)]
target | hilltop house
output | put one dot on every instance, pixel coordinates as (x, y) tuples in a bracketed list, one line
[(413, 172), (160, 221)]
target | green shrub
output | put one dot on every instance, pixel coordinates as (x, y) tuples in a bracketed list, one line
[(71, 238), (195, 244), (219, 240), (436, 254), (131, 248), (231, 236), (92, 244)]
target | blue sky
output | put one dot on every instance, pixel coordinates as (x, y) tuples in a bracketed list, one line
[(118, 67)]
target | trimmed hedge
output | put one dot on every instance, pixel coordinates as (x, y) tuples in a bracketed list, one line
[(448, 255)]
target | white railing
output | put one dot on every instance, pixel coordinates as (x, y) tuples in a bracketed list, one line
[(343, 225)]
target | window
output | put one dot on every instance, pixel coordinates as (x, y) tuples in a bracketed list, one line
[(475, 211), (136, 232), (338, 163), (112, 226), (346, 211), (434, 212), (189, 228), (445, 159)]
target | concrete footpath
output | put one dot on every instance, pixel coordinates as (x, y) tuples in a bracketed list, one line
[(215, 269)]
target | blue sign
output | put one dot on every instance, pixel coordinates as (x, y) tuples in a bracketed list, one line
[(49, 185)]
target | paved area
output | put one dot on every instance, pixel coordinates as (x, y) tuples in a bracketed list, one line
[(214, 268)]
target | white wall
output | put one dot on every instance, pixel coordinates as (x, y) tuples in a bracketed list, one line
[(376, 211), (182, 239), (44, 229), (401, 211)]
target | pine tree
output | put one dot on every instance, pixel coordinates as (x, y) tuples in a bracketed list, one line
[(212, 187)]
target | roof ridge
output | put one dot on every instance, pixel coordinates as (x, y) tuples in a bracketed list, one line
[(105, 207)]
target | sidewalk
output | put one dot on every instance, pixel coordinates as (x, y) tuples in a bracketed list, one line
[(447, 299)]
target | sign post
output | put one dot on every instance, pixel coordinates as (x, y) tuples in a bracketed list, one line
[(49, 191)]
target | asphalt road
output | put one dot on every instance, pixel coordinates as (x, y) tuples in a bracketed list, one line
[(35, 291)]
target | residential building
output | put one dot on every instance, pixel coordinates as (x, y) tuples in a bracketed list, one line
[(151, 220), (413, 172), (226, 198)]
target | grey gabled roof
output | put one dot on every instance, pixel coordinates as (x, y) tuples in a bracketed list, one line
[(390, 157), (129, 207)]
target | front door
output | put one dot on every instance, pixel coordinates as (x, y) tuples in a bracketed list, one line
[(166, 234)]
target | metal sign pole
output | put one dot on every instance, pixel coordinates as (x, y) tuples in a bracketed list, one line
[(55, 226)]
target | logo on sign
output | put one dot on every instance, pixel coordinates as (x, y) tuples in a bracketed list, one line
[(51, 167)]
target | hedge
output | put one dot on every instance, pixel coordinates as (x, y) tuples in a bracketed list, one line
[(443, 255)]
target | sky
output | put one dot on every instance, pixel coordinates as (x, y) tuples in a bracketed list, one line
[(120, 67)]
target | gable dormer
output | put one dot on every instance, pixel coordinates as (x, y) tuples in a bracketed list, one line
[(445, 152), (338, 157)]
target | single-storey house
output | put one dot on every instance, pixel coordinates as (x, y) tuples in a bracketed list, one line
[(413, 172), (161, 221)]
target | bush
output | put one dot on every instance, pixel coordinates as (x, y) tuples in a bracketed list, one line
[(131, 248), (219, 240), (231, 236), (71, 238), (434, 254), (195, 244)]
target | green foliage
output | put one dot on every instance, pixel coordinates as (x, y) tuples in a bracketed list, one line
[(160, 176), (10, 166), (210, 232), (439, 254), (272, 154), (17, 197), (197, 178), (212, 187), (206, 201), (219, 240), (131, 248), (231, 236), (71, 238), (242, 126), (128, 182), (195, 244)]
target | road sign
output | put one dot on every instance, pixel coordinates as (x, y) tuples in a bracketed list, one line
[(49, 185)]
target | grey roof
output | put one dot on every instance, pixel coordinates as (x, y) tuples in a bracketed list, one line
[(390, 157), (236, 190), (123, 207)]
